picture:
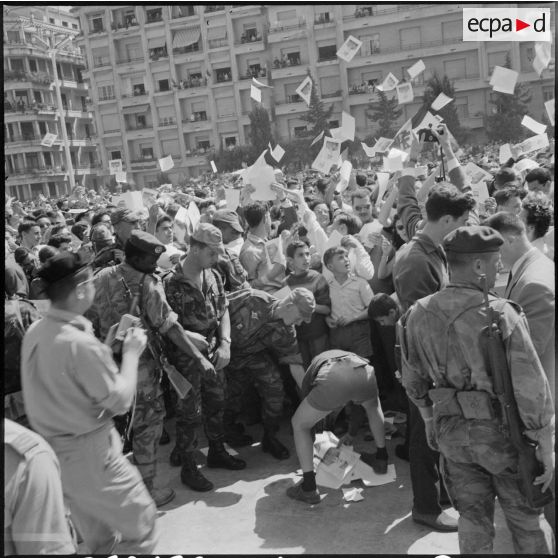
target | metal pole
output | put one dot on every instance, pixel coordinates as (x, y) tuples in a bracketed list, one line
[(69, 166)]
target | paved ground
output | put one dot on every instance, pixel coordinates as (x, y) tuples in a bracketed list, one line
[(249, 513)]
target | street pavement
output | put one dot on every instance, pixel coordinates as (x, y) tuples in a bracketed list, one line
[(248, 512)]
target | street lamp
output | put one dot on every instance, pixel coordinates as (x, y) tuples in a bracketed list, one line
[(52, 52)]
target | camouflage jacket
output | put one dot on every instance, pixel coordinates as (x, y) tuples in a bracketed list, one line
[(254, 327), (112, 300), (232, 272), (443, 343), (198, 311)]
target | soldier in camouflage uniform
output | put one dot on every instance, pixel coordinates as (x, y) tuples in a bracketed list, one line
[(195, 292), (113, 299), (263, 334), (442, 341)]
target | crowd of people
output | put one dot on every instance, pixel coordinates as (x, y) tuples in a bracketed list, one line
[(327, 307)]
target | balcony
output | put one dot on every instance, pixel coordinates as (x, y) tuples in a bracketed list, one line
[(191, 49), (327, 57), (100, 61), (107, 98), (153, 16), (217, 43), (288, 26), (223, 77), (41, 78), (158, 54), (135, 93), (253, 74), (144, 162), (138, 127), (38, 169), (249, 39), (130, 59), (165, 122), (189, 125), (201, 152), (97, 30), (331, 95), (25, 138), (126, 25), (179, 12), (36, 108), (323, 20)]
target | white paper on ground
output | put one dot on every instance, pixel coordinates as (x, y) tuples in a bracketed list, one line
[(213, 167), (255, 93), (349, 48), (352, 494), (120, 177), (404, 93), (533, 143), (370, 151), (332, 465), (232, 197), (440, 102), (334, 239), (389, 83), (416, 69), (505, 153), (369, 477), (278, 153), (533, 125), (166, 163), (549, 106), (383, 178), (503, 80), (347, 126), (305, 89)]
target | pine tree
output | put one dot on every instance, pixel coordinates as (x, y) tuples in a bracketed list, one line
[(317, 116), (434, 86), (260, 128), (504, 124), (384, 112)]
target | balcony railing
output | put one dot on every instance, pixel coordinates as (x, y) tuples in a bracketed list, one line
[(293, 99), (190, 49), (289, 26), (129, 59), (167, 122), (217, 43), (330, 95), (42, 78), (146, 159), (184, 11), (360, 89), (28, 109), (136, 127), (95, 30), (161, 53), (196, 117), (107, 98), (200, 152), (327, 57), (367, 11), (413, 46), (322, 20), (261, 74), (124, 26), (21, 138), (249, 40), (286, 63), (190, 83), (38, 169), (135, 94), (220, 78), (99, 61)]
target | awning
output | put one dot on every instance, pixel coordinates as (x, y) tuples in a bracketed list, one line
[(216, 33), (158, 42), (186, 38), (136, 109)]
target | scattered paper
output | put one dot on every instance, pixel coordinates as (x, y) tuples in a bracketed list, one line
[(382, 145), (543, 54), (525, 164), (480, 192), (213, 166), (369, 477), (332, 464), (232, 197), (392, 163), (334, 239), (440, 102), (347, 126), (149, 196), (304, 90), (370, 151), (383, 178), (349, 48), (429, 120), (328, 155), (278, 153), (274, 250), (194, 214), (352, 494), (115, 166), (260, 84), (336, 133), (256, 93), (166, 163), (533, 143), (260, 175), (549, 106), (503, 80), (180, 224), (317, 138), (475, 173), (389, 83), (133, 200), (533, 125), (49, 139), (120, 177), (416, 69), (394, 152), (404, 93), (345, 171), (505, 153), (402, 139)]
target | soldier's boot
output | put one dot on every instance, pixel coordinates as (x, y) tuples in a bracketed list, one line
[(161, 496), (165, 438), (191, 476), (175, 458), (270, 444), (219, 458), (234, 432)]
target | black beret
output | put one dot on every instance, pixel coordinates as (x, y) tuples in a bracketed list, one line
[(60, 266), (473, 240), (146, 243)]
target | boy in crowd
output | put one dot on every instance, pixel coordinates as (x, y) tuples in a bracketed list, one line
[(313, 338), (350, 297)]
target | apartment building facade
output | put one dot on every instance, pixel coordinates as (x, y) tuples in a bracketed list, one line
[(31, 108), (175, 79)]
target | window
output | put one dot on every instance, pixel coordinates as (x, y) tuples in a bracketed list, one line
[(370, 44), (154, 15), (105, 92), (64, 24), (323, 17), (293, 59), (141, 122), (164, 85), (32, 65), (146, 151), (115, 155), (223, 74), (17, 64), (38, 96), (43, 128), (96, 24), (74, 26), (409, 38), (496, 59), (455, 69), (225, 107), (300, 131), (139, 89), (51, 20), (48, 158), (333, 124), (203, 144), (452, 31), (328, 52), (229, 141)]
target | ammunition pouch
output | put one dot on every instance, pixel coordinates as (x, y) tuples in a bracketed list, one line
[(472, 404)]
